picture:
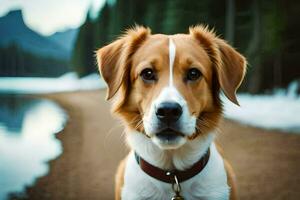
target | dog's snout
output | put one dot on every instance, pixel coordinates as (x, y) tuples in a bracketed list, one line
[(168, 112)]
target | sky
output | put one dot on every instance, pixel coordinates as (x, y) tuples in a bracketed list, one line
[(50, 16)]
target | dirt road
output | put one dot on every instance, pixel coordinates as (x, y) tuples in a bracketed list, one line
[(267, 163)]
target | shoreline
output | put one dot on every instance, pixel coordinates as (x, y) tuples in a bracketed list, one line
[(266, 162), (70, 174)]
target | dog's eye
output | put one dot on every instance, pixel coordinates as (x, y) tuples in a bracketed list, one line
[(148, 75), (193, 74)]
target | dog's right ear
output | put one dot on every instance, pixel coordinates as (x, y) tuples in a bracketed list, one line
[(114, 59), (111, 65)]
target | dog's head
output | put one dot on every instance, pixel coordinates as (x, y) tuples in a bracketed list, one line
[(167, 86)]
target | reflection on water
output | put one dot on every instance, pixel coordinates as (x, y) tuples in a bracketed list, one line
[(12, 111), (27, 140)]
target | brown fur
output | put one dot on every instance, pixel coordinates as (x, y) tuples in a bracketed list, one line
[(230, 174), (231, 180), (119, 179), (121, 63)]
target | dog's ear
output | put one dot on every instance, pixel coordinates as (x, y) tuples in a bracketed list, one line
[(231, 70), (114, 59), (111, 65), (230, 65)]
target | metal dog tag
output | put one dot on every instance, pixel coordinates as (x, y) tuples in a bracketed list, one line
[(177, 197), (176, 188)]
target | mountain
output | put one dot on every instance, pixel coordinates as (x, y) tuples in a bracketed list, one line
[(65, 39), (13, 30)]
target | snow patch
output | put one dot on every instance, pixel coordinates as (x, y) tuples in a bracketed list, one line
[(66, 83), (280, 110)]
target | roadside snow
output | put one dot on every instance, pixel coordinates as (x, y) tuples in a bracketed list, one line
[(33, 85), (279, 111)]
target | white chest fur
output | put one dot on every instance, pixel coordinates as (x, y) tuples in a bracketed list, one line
[(209, 184)]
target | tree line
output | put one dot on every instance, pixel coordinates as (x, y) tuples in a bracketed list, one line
[(266, 32), (14, 61)]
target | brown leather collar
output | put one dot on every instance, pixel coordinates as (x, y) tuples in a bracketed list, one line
[(168, 176)]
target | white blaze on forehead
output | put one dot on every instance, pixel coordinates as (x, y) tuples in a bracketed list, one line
[(169, 93), (172, 52)]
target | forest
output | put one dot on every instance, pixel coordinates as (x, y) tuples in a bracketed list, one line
[(266, 32), (14, 61)]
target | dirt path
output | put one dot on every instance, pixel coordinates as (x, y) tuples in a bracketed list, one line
[(267, 163)]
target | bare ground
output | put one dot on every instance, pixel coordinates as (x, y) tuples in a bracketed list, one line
[(267, 163)]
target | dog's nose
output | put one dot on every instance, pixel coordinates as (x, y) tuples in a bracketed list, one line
[(168, 112)]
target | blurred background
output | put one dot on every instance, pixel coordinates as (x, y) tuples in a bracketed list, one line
[(63, 38), (49, 83)]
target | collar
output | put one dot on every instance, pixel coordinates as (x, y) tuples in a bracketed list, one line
[(169, 176)]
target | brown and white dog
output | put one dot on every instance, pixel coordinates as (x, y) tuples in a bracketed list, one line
[(166, 90)]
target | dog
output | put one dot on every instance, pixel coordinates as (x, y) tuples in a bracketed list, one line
[(166, 89)]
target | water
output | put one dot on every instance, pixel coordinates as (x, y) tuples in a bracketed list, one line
[(27, 140)]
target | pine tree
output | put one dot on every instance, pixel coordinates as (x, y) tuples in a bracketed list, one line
[(180, 15), (154, 16), (83, 53), (102, 24)]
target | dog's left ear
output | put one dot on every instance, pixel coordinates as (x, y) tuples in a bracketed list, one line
[(229, 64), (231, 70), (114, 59)]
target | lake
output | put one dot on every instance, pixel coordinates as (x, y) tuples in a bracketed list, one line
[(27, 140)]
